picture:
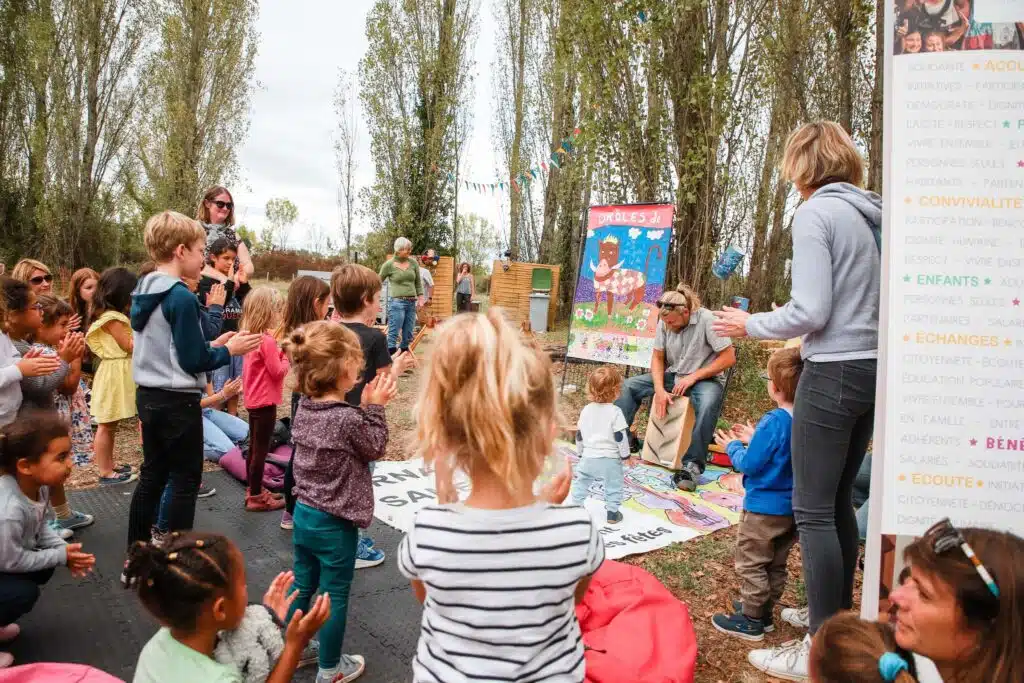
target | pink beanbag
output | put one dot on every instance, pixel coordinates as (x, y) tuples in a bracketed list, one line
[(234, 464), (55, 673)]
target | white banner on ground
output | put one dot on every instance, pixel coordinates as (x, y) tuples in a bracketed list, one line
[(654, 513)]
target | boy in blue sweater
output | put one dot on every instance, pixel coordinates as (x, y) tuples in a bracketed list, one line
[(767, 528)]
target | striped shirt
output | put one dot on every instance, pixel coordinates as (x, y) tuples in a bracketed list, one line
[(500, 591)]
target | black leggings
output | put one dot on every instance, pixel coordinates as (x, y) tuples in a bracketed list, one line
[(289, 472), (261, 431), (19, 592), (462, 302)]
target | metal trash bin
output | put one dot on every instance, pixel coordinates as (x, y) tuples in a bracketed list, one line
[(539, 305)]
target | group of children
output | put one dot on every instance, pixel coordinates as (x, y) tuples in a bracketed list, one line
[(499, 574)]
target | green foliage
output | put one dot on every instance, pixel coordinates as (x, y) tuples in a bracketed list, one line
[(281, 214), (478, 243)]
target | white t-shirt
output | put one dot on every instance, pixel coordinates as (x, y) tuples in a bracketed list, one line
[(597, 425), (501, 587)]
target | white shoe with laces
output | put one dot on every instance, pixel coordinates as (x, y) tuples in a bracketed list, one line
[(789, 661), (800, 618)]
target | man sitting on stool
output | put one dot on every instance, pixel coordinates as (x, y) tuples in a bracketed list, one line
[(689, 360)]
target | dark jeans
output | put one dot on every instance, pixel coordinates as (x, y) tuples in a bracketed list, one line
[(19, 592), (706, 397), (462, 302), (172, 452), (833, 419), (325, 560), (261, 431), (289, 472)]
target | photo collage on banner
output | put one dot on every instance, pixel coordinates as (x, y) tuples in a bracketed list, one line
[(622, 274), (949, 427)]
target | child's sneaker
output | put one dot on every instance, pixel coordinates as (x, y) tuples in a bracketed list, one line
[(287, 523), (9, 633), (614, 516), (262, 502), (800, 618), (77, 520), (687, 478), (767, 620), (790, 661), (367, 556), (310, 654), (739, 625), (118, 478), (350, 668), (158, 538), (205, 491), (65, 534), (123, 468)]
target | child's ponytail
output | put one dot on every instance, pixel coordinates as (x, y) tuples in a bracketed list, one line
[(848, 649), (320, 352), (175, 582)]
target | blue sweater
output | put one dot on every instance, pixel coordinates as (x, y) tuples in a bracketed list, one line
[(766, 465)]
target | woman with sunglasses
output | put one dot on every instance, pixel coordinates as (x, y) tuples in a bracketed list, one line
[(960, 603), (35, 274), (833, 306), (217, 214)]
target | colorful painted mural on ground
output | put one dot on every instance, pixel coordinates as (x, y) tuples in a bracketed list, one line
[(622, 274)]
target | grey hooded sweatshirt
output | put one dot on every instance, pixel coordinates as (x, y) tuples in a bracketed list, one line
[(836, 277)]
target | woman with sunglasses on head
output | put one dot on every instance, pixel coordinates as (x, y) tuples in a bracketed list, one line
[(833, 306), (960, 603), (35, 274), (217, 214)]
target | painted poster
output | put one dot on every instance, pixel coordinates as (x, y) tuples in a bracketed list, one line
[(654, 512), (622, 274), (951, 347)]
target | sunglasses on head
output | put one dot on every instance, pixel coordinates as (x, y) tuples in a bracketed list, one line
[(223, 205), (40, 279), (667, 307), (945, 537)]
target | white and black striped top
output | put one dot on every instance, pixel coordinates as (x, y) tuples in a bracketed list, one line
[(500, 591)]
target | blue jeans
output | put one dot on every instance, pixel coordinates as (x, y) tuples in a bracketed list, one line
[(608, 471), (228, 372), (325, 559), (221, 433), (401, 322), (705, 397)]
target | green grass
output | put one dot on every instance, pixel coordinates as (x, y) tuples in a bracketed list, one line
[(686, 564)]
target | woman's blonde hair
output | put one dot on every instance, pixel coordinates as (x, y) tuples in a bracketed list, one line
[(847, 649), (683, 295), (820, 153), (486, 402), (604, 384), (261, 310), (321, 352), (25, 267)]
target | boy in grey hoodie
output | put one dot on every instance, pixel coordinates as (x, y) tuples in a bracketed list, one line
[(169, 363)]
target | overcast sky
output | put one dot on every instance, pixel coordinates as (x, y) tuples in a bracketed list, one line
[(289, 150)]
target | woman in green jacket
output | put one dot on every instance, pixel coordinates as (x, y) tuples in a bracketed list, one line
[(406, 293)]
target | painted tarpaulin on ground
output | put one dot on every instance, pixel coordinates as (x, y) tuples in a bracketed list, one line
[(622, 274), (654, 513)]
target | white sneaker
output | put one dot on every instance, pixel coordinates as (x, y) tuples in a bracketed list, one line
[(788, 661), (800, 618)]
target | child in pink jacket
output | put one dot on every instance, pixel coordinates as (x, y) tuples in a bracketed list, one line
[(263, 374)]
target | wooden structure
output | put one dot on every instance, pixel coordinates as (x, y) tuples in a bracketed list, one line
[(444, 289), (668, 438), (511, 289)]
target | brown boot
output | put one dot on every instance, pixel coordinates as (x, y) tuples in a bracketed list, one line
[(262, 502)]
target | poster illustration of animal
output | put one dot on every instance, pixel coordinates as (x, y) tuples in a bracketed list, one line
[(622, 274)]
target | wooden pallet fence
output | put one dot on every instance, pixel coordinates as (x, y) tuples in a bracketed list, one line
[(511, 289)]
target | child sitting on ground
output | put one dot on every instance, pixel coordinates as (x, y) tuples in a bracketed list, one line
[(24, 321), (602, 442), (219, 271), (113, 388), (263, 376), (767, 529), (196, 589), (499, 575), (355, 291), (14, 367), (334, 443), (848, 649), (35, 454)]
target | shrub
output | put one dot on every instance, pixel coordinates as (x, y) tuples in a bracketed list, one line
[(284, 264)]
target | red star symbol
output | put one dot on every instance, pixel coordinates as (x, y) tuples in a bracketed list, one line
[(906, 337), (1020, 164), (974, 442), (1016, 302)]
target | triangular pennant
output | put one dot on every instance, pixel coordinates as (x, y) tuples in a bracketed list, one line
[(575, 132), (544, 165), (555, 162)]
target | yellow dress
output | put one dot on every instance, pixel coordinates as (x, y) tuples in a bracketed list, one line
[(113, 389)]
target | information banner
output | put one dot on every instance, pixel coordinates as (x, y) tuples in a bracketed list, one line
[(622, 274), (949, 439)]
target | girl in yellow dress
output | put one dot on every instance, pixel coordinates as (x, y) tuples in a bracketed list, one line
[(113, 389)]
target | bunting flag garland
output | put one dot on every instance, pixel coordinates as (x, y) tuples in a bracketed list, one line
[(566, 148)]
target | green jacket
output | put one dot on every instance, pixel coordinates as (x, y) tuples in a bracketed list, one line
[(404, 283)]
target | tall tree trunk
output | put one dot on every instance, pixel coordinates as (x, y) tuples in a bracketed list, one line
[(846, 57), (518, 115), (877, 106)]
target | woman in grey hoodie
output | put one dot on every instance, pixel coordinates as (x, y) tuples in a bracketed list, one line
[(834, 308)]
